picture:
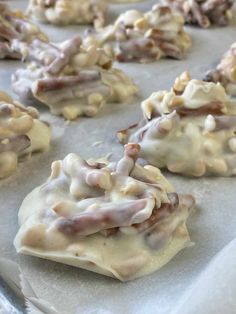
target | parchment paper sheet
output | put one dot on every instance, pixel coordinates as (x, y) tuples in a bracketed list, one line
[(188, 284)]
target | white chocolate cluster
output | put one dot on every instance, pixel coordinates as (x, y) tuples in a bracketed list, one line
[(144, 37), (69, 78), (21, 133), (204, 13), (225, 72), (189, 130), (64, 12), (15, 25), (118, 219)]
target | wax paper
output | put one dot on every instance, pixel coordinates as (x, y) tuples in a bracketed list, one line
[(200, 279)]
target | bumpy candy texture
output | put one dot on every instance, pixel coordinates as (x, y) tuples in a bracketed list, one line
[(71, 79), (144, 37), (189, 130), (225, 72), (204, 13), (21, 133), (64, 12), (115, 218), (15, 25)]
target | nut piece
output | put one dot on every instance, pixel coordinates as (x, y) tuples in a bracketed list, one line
[(145, 37), (188, 130), (21, 133), (120, 219), (69, 78), (204, 13), (225, 72), (15, 25), (64, 12)]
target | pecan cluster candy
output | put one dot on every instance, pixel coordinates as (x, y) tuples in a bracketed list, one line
[(204, 12), (145, 37), (118, 219), (64, 12), (225, 72), (189, 130), (21, 133), (14, 25), (69, 78)]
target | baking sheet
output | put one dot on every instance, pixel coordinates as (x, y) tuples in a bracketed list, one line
[(211, 227)]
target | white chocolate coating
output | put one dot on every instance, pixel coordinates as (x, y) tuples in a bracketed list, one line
[(204, 13), (64, 12), (118, 219), (225, 72), (144, 37), (69, 78), (21, 133), (191, 129), (15, 25)]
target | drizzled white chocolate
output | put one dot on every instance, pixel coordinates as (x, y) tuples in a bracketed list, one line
[(204, 13), (21, 133), (189, 130), (118, 219), (144, 37), (64, 12), (225, 72), (69, 78), (15, 25)]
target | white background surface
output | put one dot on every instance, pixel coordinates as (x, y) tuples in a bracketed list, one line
[(212, 227)]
